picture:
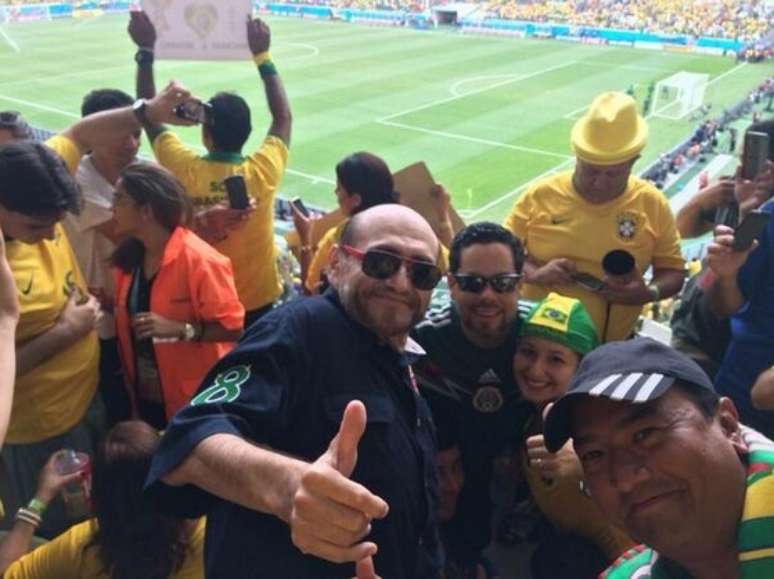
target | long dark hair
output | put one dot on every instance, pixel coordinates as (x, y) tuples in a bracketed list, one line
[(369, 176), (133, 539), (152, 185)]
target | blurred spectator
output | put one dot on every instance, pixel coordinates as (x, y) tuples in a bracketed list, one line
[(92, 237), (126, 538), (553, 338), (571, 221), (244, 236), (57, 351), (177, 311), (363, 180), (13, 127), (9, 318)]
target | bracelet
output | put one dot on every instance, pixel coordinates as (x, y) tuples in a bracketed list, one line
[(29, 517), (261, 57), (37, 506), (267, 69)]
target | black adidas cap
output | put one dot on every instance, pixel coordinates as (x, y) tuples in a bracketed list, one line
[(634, 371)]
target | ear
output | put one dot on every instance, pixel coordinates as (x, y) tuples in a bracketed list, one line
[(334, 265), (355, 201), (728, 419)]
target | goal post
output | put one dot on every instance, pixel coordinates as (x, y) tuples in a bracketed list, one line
[(677, 96)]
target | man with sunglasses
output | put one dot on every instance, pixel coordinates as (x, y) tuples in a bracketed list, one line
[(467, 375), (289, 470)]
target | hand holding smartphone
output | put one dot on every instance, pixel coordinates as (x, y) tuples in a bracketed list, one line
[(237, 192), (755, 153), (749, 229), (588, 281), (196, 111), (299, 204)]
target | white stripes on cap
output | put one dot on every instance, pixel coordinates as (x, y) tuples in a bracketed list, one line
[(627, 387)]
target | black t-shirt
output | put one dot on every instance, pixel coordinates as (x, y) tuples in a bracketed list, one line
[(285, 386)]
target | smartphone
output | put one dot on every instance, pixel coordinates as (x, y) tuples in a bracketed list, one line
[(755, 153), (196, 111), (299, 204), (750, 228), (588, 281), (237, 192)]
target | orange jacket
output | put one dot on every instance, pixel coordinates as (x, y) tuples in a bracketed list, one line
[(194, 283)]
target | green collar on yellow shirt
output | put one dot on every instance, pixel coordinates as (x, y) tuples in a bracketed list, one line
[(218, 157)]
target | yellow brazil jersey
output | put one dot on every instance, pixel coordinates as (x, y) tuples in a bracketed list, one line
[(251, 247), (52, 397), (554, 221), (71, 556)]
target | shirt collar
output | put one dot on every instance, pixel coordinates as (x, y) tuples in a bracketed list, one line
[(222, 157)]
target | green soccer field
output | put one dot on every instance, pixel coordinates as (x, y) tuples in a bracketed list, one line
[(487, 114)]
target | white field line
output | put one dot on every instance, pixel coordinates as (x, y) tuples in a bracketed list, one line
[(493, 203), (455, 88), (11, 42), (39, 106), (476, 91), (728, 72), (313, 51), (572, 115), (625, 66), (473, 139)]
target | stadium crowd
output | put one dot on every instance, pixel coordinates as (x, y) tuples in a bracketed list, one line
[(154, 392)]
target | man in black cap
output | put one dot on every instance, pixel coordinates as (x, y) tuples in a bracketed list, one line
[(667, 460)]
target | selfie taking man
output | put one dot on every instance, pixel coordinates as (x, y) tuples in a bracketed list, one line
[(467, 375), (667, 460), (569, 222), (246, 236), (57, 352), (257, 449)]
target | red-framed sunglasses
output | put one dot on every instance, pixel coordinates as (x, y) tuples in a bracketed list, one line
[(380, 264)]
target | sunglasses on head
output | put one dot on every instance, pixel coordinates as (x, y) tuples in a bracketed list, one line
[(502, 283), (380, 264)]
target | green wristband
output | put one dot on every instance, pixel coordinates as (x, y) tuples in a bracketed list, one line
[(267, 69), (37, 506)]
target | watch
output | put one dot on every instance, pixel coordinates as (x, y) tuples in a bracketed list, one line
[(189, 332), (144, 56), (140, 108)]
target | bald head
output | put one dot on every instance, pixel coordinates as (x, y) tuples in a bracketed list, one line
[(388, 219)]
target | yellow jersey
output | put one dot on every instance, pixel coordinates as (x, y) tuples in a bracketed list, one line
[(251, 248), (554, 221), (52, 397), (71, 556)]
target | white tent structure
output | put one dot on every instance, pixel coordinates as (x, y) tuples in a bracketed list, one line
[(676, 96)]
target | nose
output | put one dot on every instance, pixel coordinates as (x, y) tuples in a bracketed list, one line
[(400, 280), (627, 470)]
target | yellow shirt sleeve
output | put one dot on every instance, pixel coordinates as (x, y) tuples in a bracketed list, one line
[(667, 254), (322, 257), (269, 162), (172, 153), (518, 219), (62, 557), (67, 149)]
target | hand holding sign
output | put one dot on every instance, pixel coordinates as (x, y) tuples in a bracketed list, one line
[(331, 514)]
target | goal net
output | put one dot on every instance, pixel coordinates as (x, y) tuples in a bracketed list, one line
[(678, 95)]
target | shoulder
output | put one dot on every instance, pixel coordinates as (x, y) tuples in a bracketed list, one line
[(201, 251), (67, 149)]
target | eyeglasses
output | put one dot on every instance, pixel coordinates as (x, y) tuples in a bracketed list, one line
[(502, 283), (383, 265)]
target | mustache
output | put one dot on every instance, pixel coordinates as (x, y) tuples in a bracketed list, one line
[(645, 493)]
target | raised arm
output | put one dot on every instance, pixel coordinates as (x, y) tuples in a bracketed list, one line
[(259, 40), (143, 34)]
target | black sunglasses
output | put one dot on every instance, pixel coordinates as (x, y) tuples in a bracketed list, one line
[(502, 283), (383, 265)]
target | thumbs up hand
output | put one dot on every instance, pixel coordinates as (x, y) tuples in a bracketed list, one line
[(331, 514)]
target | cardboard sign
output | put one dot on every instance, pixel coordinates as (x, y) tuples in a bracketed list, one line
[(414, 185), (200, 29)]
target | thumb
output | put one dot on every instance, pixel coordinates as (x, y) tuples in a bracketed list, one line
[(342, 452), (364, 569)]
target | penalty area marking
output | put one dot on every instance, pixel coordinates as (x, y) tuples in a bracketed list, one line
[(10, 41)]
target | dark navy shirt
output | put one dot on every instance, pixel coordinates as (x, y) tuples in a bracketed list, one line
[(751, 350), (285, 386)]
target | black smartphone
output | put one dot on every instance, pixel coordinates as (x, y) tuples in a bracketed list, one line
[(588, 281), (237, 192), (754, 154), (299, 204), (750, 228), (196, 111)]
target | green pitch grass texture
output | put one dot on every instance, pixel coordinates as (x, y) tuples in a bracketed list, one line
[(487, 114)]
